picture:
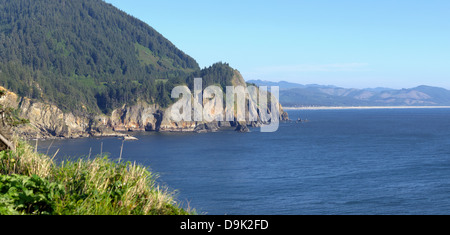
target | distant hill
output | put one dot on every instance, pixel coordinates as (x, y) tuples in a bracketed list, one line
[(286, 85), (297, 95)]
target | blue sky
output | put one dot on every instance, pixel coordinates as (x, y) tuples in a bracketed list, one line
[(349, 43)]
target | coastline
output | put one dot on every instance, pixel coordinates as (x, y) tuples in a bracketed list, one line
[(364, 107)]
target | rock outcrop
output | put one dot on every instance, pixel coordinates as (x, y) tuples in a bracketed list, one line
[(242, 127), (49, 121)]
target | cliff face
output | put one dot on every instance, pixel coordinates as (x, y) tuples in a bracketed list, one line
[(48, 121), (139, 117), (45, 120)]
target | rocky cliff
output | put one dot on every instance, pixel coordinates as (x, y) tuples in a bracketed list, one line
[(48, 121)]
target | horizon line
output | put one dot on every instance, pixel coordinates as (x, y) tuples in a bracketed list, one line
[(363, 107)]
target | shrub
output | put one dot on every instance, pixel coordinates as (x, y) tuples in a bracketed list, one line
[(27, 195)]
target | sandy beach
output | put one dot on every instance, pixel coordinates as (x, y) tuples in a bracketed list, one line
[(365, 107)]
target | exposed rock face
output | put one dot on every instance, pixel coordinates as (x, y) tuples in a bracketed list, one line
[(284, 115), (139, 117), (8, 100), (45, 120), (48, 121), (242, 127), (207, 127), (167, 125)]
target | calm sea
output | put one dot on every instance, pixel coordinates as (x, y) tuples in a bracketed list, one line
[(340, 162)]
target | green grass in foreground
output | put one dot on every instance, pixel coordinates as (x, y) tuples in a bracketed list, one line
[(31, 183)]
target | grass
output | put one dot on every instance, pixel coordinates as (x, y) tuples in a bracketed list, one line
[(147, 57), (30, 181)]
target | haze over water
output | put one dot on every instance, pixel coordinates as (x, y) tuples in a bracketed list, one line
[(384, 161)]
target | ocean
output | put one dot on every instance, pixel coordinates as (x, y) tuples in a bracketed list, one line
[(383, 161)]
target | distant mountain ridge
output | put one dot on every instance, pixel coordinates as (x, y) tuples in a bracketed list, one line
[(287, 85), (298, 95)]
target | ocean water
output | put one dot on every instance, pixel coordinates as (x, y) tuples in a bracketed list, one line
[(340, 162)]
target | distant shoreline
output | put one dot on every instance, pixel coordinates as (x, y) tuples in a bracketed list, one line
[(365, 107)]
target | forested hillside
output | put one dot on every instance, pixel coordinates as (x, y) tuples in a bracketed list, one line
[(86, 56)]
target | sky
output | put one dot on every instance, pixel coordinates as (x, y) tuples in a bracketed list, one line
[(347, 43)]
